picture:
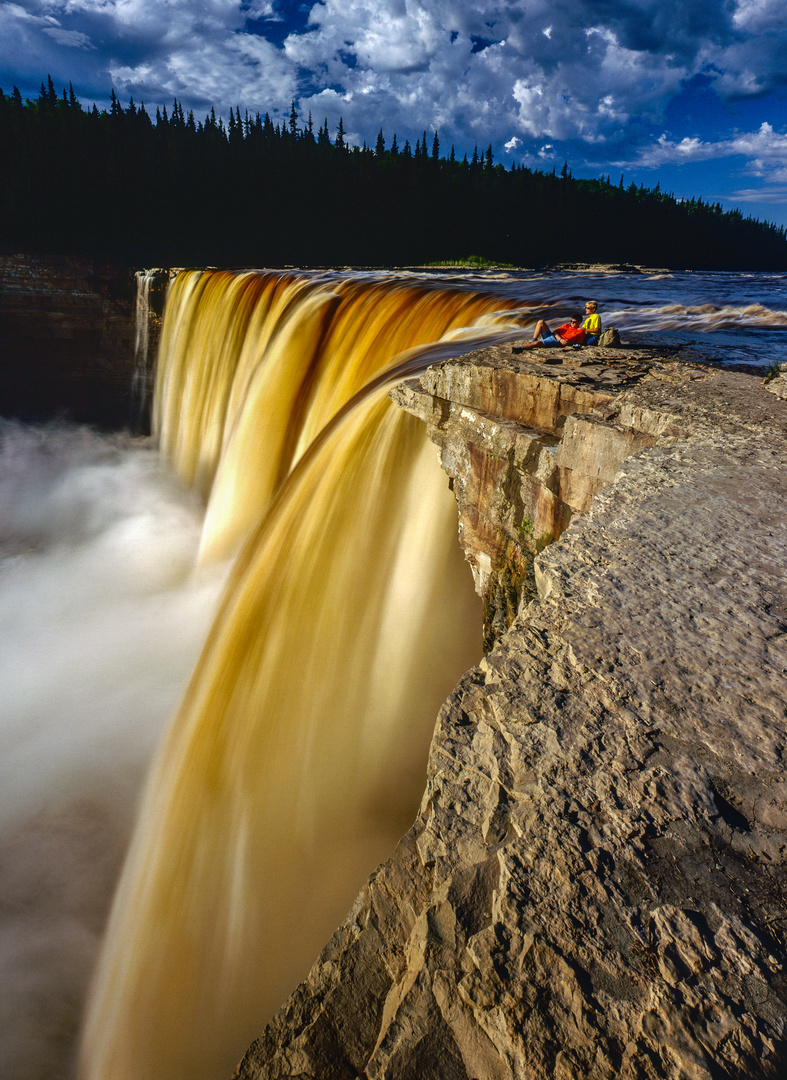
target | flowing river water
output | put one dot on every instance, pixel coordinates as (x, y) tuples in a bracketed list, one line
[(114, 558), (735, 318)]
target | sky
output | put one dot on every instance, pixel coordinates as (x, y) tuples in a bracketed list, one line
[(689, 94)]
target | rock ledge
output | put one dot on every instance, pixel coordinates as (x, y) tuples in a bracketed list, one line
[(595, 884)]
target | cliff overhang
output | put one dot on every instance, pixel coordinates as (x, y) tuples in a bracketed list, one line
[(595, 884), (527, 445)]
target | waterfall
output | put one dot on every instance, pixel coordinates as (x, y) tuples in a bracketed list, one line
[(297, 756)]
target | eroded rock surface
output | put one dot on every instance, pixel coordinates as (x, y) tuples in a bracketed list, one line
[(778, 383), (527, 445), (595, 884)]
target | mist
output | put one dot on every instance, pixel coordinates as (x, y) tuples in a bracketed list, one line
[(102, 616)]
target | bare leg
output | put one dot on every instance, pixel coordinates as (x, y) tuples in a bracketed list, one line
[(541, 328)]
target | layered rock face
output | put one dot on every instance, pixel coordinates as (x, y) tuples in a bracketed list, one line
[(66, 338), (595, 883), (525, 451)]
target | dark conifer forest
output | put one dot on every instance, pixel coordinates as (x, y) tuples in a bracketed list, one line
[(172, 190)]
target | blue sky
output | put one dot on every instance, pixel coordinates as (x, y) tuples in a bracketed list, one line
[(691, 94)]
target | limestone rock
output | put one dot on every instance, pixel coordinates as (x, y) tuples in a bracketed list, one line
[(526, 450), (778, 384), (595, 884)]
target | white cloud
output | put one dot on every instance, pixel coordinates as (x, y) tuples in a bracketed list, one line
[(776, 194), (242, 70), (211, 14), (14, 18), (544, 81), (665, 152), (757, 16), (764, 142), (73, 38), (765, 149), (263, 9)]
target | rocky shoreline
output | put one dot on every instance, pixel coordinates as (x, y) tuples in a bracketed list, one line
[(595, 883)]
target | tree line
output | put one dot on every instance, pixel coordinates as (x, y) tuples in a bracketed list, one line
[(170, 189)]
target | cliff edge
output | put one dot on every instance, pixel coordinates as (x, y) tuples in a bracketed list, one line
[(595, 883)]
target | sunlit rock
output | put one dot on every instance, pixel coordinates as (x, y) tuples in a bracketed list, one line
[(595, 883)]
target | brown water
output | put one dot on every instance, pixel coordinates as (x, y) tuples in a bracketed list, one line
[(297, 757)]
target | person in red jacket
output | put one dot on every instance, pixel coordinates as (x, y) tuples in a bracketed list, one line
[(570, 333)]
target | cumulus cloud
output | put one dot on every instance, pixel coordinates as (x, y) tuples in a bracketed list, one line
[(764, 154), (553, 70), (667, 152), (561, 70), (757, 16), (263, 9), (577, 74), (765, 150)]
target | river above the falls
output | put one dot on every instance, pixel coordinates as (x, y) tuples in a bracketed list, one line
[(736, 318)]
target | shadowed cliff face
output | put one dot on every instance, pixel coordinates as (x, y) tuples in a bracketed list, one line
[(66, 339), (595, 883)]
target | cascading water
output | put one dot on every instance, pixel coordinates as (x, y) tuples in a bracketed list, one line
[(107, 591), (296, 759)]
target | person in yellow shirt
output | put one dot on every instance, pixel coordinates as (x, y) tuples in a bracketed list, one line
[(591, 324), (568, 334)]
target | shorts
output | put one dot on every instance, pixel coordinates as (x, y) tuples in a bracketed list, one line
[(551, 342), (591, 339)]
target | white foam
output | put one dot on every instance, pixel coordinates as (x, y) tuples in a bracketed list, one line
[(101, 620)]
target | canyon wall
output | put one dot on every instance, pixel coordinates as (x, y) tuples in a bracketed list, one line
[(595, 883), (66, 338)]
